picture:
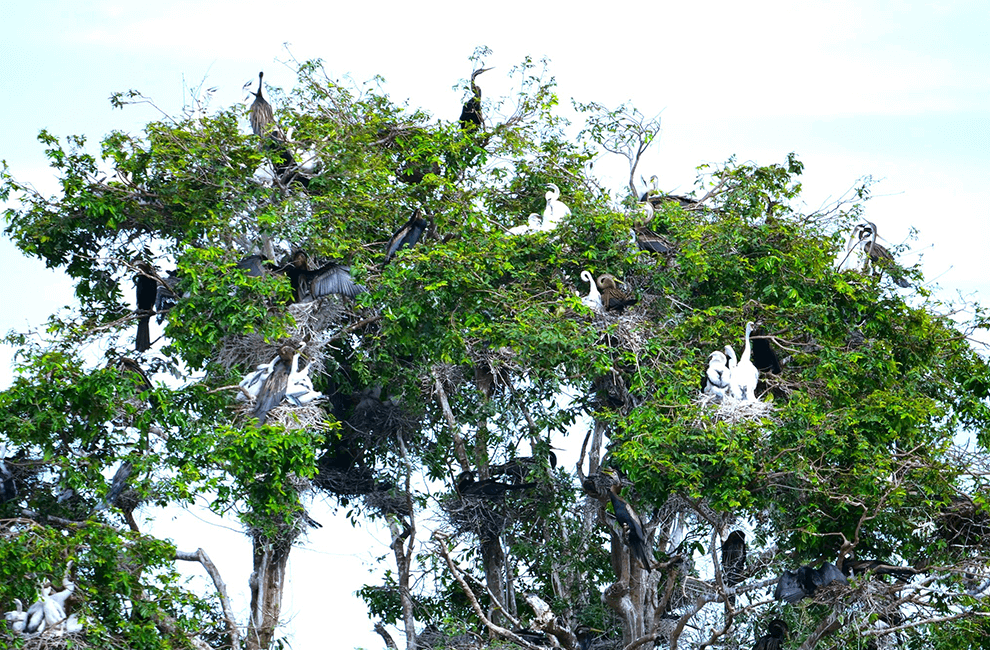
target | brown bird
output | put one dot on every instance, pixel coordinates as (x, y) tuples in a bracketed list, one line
[(273, 139), (613, 298), (647, 240), (275, 385)]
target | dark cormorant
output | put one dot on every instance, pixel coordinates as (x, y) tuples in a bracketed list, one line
[(146, 283), (273, 390), (8, 488), (734, 560), (764, 357), (407, 236), (795, 585), (613, 298), (471, 117), (632, 525), (264, 126), (331, 278), (467, 486), (774, 638)]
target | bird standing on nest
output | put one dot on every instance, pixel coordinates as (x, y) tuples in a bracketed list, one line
[(744, 376), (717, 375), (471, 117), (594, 299), (273, 391), (614, 298)]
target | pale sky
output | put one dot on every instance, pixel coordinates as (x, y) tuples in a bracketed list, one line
[(896, 90)]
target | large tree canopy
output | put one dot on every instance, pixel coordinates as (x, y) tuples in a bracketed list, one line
[(461, 353)]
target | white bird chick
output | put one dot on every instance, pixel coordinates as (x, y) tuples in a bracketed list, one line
[(535, 224), (717, 375)]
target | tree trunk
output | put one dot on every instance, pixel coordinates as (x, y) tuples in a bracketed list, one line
[(267, 583)]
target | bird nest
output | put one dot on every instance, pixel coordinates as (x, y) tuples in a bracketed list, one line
[(377, 418), (484, 517), (309, 416), (52, 639), (347, 482), (728, 409), (388, 502)]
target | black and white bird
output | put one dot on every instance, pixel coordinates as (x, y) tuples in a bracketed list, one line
[(329, 279), (471, 117), (717, 375), (555, 210), (166, 295), (593, 300), (744, 376), (865, 235), (774, 638), (406, 236), (795, 585), (8, 487)]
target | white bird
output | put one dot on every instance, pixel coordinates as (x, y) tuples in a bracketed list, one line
[(16, 618), (254, 380), (535, 225), (651, 189), (299, 387), (744, 377), (594, 299), (555, 210), (717, 375)]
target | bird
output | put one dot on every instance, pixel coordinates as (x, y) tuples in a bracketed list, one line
[(471, 117), (467, 486), (717, 375), (585, 636), (521, 467), (299, 389), (555, 210), (146, 283), (274, 142), (734, 559), (166, 296), (251, 384), (273, 390), (117, 485), (647, 240), (17, 618), (792, 586), (773, 639), (534, 224), (331, 278), (407, 236), (631, 524), (879, 257), (744, 376), (594, 299), (651, 189), (8, 487), (764, 357), (613, 298)]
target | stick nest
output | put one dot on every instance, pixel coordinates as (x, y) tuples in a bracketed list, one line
[(731, 410)]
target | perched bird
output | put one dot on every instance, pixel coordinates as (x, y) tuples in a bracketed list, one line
[(865, 235), (744, 376), (555, 210), (254, 380), (764, 358), (734, 559), (331, 278), (8, 488), (717, 375), (774, 638), (17, 618), (521, 467), (273, 390), (534, 224), (632, 525), (594, 299), (651, 189), (117, 485), (407, 236), (273, 140), (585, 636), (146, 283), (471, 117), (647, 240), (166, 295), (467, 486), (613, 298), (299, 389), (795, 585)]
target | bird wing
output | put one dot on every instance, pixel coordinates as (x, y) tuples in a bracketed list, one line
[(788, 588), (272, 392), (826, 574), (333, 279)]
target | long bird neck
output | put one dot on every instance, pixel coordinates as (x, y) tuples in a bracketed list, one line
[(745, 352)]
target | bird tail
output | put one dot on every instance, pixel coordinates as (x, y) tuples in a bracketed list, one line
[(143, 334)]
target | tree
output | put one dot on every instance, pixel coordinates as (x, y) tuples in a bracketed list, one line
[(464, 350)]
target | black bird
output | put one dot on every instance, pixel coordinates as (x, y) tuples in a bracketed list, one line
[(146, 283), (734, 558), (117, 485), (585, 636), (772, 640), (273, 390), (8, 488), (471, 117), (468, 486), (274, 142), (880, 258), (632, 525), (764, 357), (520, 468), (331, 278), (166, 295), (613, 298), (647, 240), (795, 585), (531, 636), (407, 236)]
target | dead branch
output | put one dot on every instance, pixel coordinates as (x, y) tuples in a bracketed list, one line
[(228, 613)]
